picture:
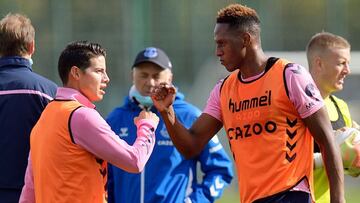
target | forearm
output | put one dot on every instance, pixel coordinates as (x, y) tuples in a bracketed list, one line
[(144, 143), (180, 136), (334, 169), (92, 133), (320, 127), (116, 151), (28, 192)]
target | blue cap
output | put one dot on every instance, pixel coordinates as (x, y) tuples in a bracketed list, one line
[(153, 55)]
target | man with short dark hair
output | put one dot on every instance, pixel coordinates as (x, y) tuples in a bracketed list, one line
[(23, 96), (71, 143), (271, 111), (168, 176)]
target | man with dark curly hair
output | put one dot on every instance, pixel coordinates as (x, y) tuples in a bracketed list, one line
[(271, 110)]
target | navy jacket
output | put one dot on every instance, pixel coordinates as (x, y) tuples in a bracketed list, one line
[(23, 96), (168, 176)]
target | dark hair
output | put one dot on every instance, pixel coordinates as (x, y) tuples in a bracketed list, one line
[(240, 18), (78, 54), (16, 32)]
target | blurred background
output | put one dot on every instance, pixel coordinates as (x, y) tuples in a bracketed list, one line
[(184, 29)]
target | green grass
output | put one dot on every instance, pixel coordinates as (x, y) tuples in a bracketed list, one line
[(231, 195), (353, 195)]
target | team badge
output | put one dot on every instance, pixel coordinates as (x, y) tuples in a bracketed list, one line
[(310, 91), (295, 69), (150, 52)]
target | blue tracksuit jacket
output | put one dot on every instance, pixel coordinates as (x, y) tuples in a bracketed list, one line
[(23, 96), (168, 176)]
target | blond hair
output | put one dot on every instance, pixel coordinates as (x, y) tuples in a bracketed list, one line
[(323, 41), (16, 32)]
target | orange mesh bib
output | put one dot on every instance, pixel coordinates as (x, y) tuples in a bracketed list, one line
[(270, 143), (63, 171)]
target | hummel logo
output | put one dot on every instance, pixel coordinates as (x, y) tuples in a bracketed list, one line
[(216, 188), (123, 132), (103, 172), (291, 147), (290, 159), (291, 123), (291, 134)]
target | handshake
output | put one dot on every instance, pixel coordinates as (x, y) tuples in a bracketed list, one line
[(349, 141)]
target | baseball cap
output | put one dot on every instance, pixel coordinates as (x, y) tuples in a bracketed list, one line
[(153, 55)]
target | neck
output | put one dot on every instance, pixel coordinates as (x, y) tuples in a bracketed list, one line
[(255, 63), (73, 85), (324, 94), (27, 56)]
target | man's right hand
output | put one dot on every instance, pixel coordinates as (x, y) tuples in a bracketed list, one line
[(147, 115), (163, 96)]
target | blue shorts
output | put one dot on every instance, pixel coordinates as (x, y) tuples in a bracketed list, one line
[(287, 197)]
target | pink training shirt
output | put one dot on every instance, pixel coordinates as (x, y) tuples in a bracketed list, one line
[(303, 93), (91, 132)]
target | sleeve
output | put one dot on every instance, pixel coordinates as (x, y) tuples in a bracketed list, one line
[(28, 193), (302, 91), (213, 103), (90, 131), (218, 172)]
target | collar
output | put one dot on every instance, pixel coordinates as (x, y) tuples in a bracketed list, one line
[(64, 93), (14, 62), (131, 104)]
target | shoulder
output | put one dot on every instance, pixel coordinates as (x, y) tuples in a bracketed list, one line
[(294, 68), (340, 102), (297, 76), (85, 115), (44, 80), (344, 108), (39, 82), (218, 85)]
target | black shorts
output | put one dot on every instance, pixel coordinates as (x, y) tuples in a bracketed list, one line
[(9, 195), (287, 197)]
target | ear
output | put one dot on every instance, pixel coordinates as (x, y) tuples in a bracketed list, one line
[(75, 72), (171, 77), (246, 38), (31, 48), (133, 75), (318, 63)]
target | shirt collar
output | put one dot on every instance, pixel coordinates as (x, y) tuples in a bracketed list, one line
[(64, 93), (14, 61)]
